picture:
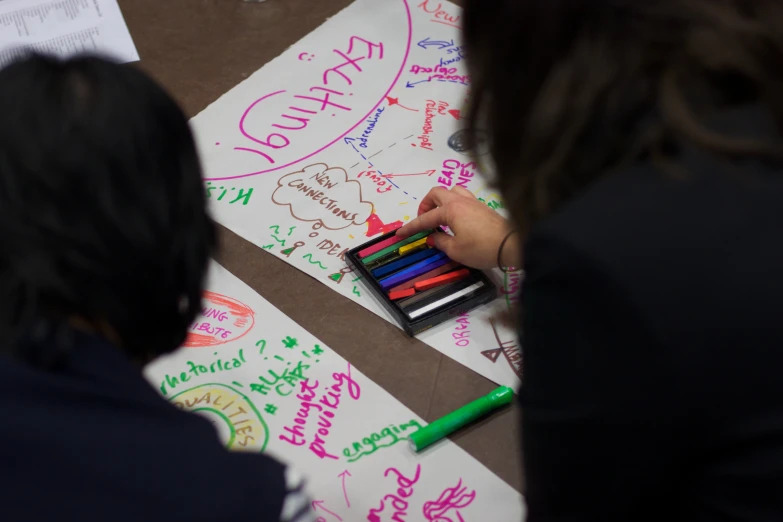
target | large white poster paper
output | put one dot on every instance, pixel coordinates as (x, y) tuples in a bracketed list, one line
[(339, 138), (268, 385)]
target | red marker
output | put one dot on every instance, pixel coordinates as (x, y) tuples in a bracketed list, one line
[(442, 280), (401, 294)]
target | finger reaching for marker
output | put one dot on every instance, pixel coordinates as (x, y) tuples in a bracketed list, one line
[(478, 230)]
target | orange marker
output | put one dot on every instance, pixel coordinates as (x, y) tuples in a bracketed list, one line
[(401, 294), (442, 280)]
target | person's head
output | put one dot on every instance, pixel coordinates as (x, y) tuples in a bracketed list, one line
[(568, 90), (102, 206)]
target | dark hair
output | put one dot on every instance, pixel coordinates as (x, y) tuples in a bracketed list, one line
[(569, 90), (102, 206)]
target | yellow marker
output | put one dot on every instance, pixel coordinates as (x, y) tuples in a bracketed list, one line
[(413, 246)]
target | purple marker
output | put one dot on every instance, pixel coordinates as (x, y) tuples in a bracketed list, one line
[(415, 270)]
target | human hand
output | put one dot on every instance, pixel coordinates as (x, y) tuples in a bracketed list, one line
[(478, 230)]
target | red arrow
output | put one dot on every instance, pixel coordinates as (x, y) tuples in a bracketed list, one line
[(456, 113), (345, 492), (320, 504), (426, 173), (396, 101)]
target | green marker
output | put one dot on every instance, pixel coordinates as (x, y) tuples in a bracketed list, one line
[(445, 426), (396, 246)]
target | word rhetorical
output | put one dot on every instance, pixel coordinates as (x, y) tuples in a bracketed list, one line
[(194, 370), (340, 199)]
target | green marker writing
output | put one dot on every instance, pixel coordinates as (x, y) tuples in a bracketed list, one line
[(450, 423)]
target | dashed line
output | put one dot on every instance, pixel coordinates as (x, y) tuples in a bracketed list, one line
[(406, 137), (355, 165), (362, 155), (392, 145), (375, 154)]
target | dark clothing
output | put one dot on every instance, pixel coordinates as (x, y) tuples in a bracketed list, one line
[(653, 346), (92, 440)]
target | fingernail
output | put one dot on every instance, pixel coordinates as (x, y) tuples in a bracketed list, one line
[(430, 241)]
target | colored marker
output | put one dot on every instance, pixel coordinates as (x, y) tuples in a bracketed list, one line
[(401, 294), (395, 247), (442, 280), (413, 246), (401, 263), (445, 426), (444, 301), (378, 246), (432, 273), (421, 296), (414, 270)]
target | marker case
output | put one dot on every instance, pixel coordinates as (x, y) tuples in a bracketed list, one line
[(485, 294)]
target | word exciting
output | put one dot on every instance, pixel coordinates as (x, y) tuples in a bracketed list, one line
[(311, 104)]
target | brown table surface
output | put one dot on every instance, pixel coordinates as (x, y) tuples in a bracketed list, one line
[(199, 49)]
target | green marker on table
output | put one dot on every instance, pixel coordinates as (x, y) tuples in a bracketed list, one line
[(448, 424)]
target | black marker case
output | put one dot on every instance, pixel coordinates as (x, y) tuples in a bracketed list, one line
[(412, 327)]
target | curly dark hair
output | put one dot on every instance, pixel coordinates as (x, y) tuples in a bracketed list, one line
[(102, 207), (570, 90)]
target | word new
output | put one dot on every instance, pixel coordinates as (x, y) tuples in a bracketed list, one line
[(325, 408), (312, 104), (233, 414), (241, 196), (438, 14), (372, 122), (429, 115), (450, 169), (386, 438), (312, 192), (397, 502), (460, 336), (378, 179), (194, 370)]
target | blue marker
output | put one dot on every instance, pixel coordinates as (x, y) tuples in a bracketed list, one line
[(403, 262), (415, 270)]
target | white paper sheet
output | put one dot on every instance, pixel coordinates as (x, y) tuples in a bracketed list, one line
[(268, 385), (64, 28), (339, 138)]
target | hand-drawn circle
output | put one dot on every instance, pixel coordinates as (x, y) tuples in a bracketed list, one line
[(242, 319), (224, 403)]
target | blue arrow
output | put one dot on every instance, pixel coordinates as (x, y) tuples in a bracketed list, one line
[(349, 141), (410, 85), (441, 45)]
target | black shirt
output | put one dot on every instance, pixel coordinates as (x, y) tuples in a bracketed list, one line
[(653, 346), (91, 440)]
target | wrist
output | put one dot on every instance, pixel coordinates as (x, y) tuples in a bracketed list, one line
[(510, 252)]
